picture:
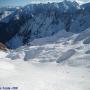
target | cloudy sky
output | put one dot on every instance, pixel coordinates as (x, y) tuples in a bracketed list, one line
[(24, 2)]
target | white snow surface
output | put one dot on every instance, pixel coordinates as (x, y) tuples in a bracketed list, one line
[(51, 63)]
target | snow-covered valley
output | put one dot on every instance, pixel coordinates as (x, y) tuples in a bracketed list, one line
[(58, 62)]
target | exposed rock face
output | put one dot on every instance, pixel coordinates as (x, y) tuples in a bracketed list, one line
[(3, 47)]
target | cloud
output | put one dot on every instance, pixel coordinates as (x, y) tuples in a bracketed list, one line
[(25, 2)]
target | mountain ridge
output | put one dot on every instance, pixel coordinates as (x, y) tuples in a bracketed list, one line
[(41, 20)]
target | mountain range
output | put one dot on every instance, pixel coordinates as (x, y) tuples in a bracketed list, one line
[(21, 25)]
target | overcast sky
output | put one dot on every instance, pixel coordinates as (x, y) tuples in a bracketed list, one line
[(24, 2)]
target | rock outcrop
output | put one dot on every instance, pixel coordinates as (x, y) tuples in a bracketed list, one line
[(3, 47)]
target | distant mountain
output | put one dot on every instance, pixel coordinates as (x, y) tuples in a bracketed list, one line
[(24, 24)]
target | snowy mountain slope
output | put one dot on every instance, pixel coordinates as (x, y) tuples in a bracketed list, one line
[(63, 47), (59, 62), (56, 51), (26, 76), (7, 13), (41, 20)]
